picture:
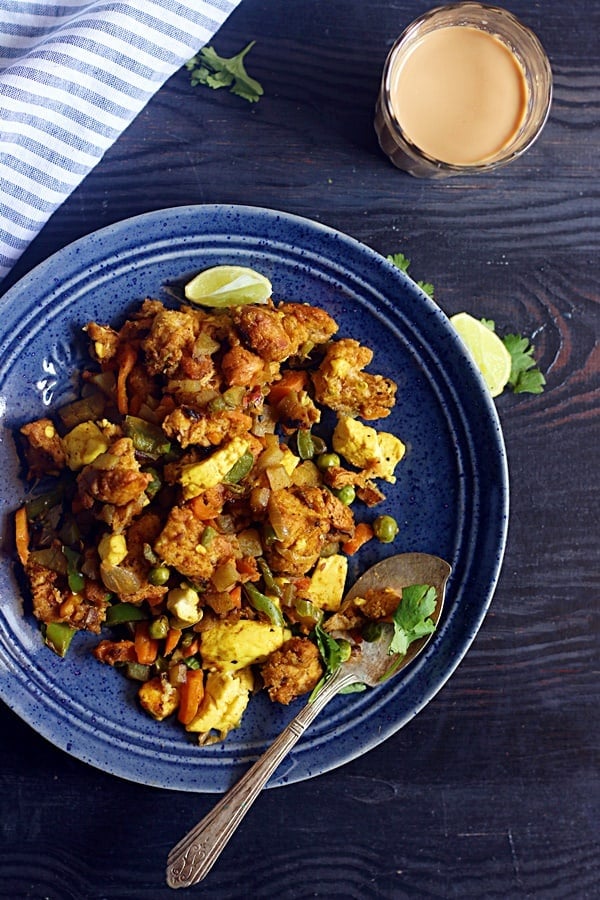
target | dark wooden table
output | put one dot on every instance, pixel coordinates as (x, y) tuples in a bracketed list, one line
[(493, 790)]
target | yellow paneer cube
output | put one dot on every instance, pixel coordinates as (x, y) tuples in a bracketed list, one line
[(228, 647), (197, 477), (366, 448), (83, 444), (392, 451), (226, 696), (112, 549), (328, 581)]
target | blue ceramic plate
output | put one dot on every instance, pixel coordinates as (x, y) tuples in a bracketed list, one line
[(450, 498)]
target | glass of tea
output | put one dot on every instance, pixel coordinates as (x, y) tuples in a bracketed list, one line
[(465, 88)]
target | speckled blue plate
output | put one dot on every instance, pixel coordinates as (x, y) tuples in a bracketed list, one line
[(451, 497)]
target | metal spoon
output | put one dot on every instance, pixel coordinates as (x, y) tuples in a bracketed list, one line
[(195, 854)]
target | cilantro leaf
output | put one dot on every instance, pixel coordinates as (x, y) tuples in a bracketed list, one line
[(399, 260), (412, 617), (215, 71), (427, 287), (402, 263), (333, 654), (525, 377)]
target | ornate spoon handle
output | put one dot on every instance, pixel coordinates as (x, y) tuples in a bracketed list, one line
[(195, 854)]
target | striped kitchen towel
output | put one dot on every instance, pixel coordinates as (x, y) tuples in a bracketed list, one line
[(73, 75)]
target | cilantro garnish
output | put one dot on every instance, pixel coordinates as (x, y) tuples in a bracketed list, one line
[(215, 71), (402, 263), (412, 617), (412, 621), (399, 260), (333, 653), (525, 376)]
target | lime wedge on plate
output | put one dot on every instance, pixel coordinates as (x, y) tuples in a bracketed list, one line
[(223, 286), (489, 353)]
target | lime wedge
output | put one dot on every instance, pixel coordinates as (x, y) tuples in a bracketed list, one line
[(223, 286), (489, 353)]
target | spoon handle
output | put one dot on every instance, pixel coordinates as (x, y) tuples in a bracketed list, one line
[(195, 854)]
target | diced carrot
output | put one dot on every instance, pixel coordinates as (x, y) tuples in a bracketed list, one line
[(146, 648), (127, 360), (236, 596), (192, 648), (191, 695), (247, 568), (22, 534), (209, 504), (292, 380), (172, 639), (362, 533)]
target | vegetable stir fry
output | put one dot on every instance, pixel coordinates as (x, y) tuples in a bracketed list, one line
[(195, 513)]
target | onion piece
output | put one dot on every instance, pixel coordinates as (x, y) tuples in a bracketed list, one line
[(250, 543), (120, 580), (278, 478), (225, 576), (280, 529), (259, 499)]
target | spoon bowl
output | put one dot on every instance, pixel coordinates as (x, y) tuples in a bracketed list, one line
[(369, 663)]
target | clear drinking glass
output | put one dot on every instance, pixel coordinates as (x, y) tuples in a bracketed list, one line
[(522, 44)]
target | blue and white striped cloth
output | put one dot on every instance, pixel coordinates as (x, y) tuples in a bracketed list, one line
[(73, 75)]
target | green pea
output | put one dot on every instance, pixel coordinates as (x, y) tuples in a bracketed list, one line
[(159, 575), (345, 648), (327, 460), (159, 628), (346, 495), (385, 529)]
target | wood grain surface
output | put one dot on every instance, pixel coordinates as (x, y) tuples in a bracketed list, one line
[(492, 791)]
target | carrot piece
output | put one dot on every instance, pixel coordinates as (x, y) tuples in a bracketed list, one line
[(192, 648), (22, 535), (209, 504), (127, 360), (236, 596), (362, 533), (172, 639), (146, 648), (248, 569), (292, 380), (191, 695)]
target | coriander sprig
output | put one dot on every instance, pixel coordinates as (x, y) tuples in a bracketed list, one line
[(215, 71)]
